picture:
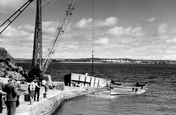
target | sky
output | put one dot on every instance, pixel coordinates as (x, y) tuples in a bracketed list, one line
[(136, 29)]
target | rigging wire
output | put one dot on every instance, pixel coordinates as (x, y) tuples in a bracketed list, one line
[(46, 4), (92, 36)]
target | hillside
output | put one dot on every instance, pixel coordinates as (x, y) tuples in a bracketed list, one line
[(7, 65), (4, 55)]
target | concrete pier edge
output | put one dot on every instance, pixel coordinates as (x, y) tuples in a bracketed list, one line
[(54, 99)]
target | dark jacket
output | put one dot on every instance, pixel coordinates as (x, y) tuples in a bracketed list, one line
[(11, 91)]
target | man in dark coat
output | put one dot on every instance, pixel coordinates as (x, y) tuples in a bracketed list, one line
[(11, 97), (1, 94)]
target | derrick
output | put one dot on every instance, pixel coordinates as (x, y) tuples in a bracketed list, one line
[(58, 35), (37, 45), (39, 65), (4, 25)]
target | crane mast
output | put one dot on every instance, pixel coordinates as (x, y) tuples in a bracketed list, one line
[(14, 16), (37, 45), (58, 35)]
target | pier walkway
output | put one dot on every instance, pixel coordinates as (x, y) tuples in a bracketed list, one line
[(45, 105)]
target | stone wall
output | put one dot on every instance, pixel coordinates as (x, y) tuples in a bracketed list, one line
[(48, 106)]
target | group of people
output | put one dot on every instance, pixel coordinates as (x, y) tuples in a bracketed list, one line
[(10, 91), (34, 89)]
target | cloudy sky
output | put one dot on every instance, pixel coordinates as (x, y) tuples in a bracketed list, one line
[(137, 29)]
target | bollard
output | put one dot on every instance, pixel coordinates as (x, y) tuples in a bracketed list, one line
[(44, 95), (31, 100), (26, 97)]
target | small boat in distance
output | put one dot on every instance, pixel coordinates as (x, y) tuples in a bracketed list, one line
[(118, 88)]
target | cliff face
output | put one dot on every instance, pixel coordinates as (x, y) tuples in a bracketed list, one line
[(7, 65), (4, 55)]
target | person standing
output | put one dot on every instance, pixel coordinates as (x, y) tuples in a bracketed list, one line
[(11, 97), (37, 90), (18, 87), (32, 91), (1, 94), (44, 83)]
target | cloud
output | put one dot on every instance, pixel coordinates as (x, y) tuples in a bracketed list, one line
[(165, 37), (171, 40), (84, 23), (70, 47), (49, 27), (7, 6), (15, 32), (22, 37), (102, 41), (162, 29), (137, 32), (87, 23), (113, 39), (110, 21), (116, 31), (121, 31), (151, 19)]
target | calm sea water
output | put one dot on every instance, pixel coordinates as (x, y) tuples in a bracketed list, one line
[(160, 99)]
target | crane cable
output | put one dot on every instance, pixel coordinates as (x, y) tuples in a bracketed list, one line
[(92, 37), (46, 4)]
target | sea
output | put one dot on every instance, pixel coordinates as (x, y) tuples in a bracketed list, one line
[(160, 98)]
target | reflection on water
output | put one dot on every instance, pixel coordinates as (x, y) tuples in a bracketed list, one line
[(105, 95)]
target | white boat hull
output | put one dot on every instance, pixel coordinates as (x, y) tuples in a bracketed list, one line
[(127, 90)]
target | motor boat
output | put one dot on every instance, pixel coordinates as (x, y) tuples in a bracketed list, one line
[(118, 88)]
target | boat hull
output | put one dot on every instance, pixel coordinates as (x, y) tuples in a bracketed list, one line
[(127, 90)]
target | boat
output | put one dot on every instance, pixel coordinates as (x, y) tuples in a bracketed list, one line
[(118, 88)]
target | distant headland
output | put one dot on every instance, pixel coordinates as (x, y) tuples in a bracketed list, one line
[(106, 60), (5, 55)]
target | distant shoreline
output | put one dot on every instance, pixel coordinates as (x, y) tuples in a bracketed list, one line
[(109, 62)]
